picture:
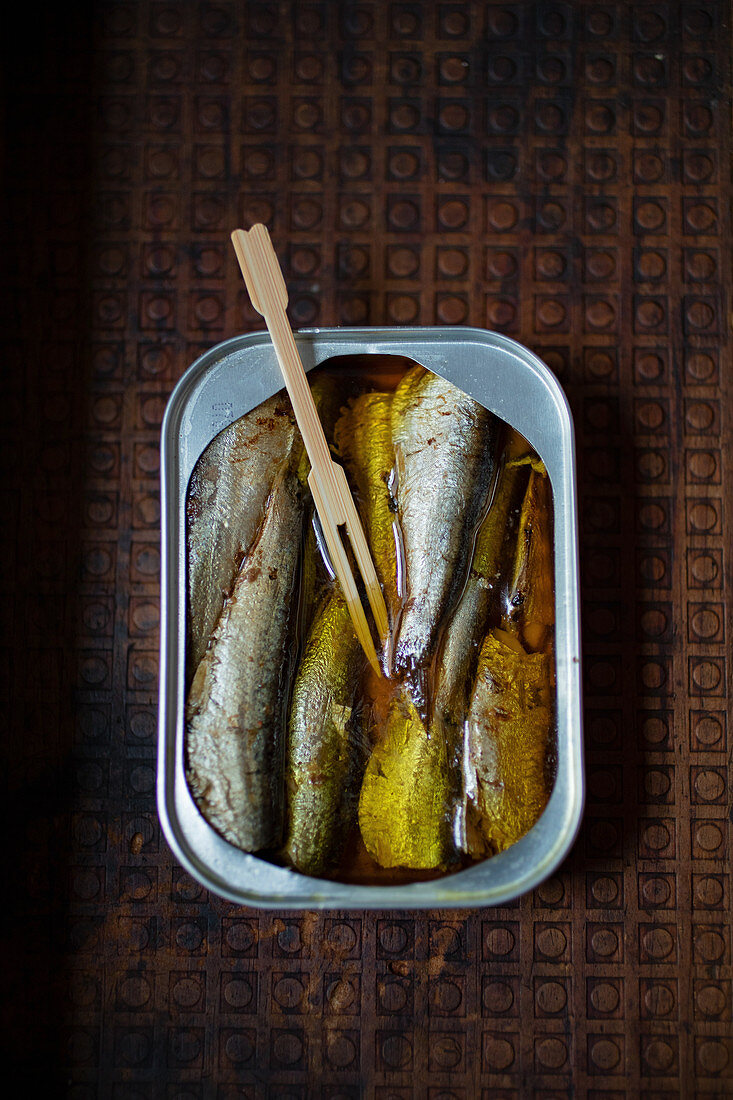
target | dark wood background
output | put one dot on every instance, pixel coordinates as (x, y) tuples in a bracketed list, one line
[(557, 171)]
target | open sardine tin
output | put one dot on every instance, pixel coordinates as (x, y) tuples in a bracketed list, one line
[(224, 384)]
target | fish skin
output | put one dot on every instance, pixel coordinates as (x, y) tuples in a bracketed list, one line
[(445, 446), (325, 751), (492, 560), (530, 606), (405, 805), (227, 494), (235, 708), (312, 575), (507, 736), (363, 437)]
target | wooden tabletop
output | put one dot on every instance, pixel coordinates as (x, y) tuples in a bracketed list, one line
[(559, 172)]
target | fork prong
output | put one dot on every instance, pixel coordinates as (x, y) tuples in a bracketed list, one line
[(360, 546), (369, 576), (342, 569)]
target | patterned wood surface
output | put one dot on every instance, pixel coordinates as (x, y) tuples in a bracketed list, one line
[(557, 171)]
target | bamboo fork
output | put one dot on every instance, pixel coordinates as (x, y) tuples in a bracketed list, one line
[(334, 503)]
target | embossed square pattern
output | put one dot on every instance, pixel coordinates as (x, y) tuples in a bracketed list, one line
[(556, 171)]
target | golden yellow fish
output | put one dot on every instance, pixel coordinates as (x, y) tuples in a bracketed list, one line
[(325, 750), (363, 437), (507, 734), (405, 807)]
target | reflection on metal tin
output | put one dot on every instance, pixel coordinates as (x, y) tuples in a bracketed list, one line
[(224, 384)]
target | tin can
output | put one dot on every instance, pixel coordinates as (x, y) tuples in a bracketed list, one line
[(224, 384)]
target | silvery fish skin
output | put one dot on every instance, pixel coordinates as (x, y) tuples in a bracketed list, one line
[(363, 436), (492, 558), (445, 445), (226, 501), (235, 709), (325, 752)]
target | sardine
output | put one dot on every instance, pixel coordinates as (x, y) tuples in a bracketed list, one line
[(444, 455), (235, 710), (363, 437), (492, 560), (506, 741), (312, 575), (530, 606), (405, 806), (325, 752), (226, 501), (227, 494), (316, 563)]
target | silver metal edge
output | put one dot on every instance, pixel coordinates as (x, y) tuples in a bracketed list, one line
[(324, 893)]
